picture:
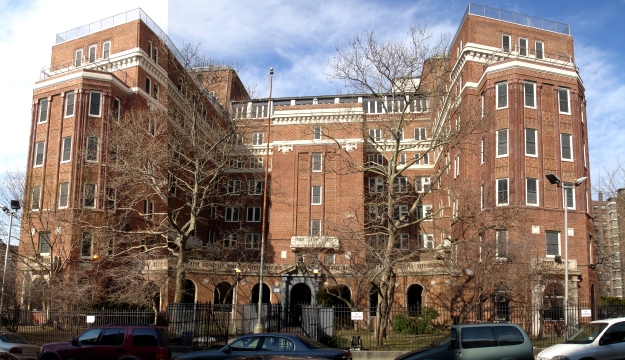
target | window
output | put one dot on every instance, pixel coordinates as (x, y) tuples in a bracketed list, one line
[(44, 243), (566, 144), (522, 47), (400, 184), (155, 55), (502, 244), (569, 191), (316, 162), (426, 241), (422, 184), (117, 108), (106, 49), (563, 99), (478, 337), (584, 154), (43, 111), (502, 142), (255, 187), (397, 134), (85, 247), (95, 100), (457, 166), (403, 241), (402, 159), (505, 43), (315, 227), (531, 191), (424, 212), (316, 132), (377, 212), (539, 50), (483, 104), (482, 197), (150, 49), (89, 196), (316, 195), (502, 192), (234, 187), (69, 104), (66, 154), (63, 195), (92, 149), (232, 214), (91, 53), (376, 185), (148, 209), (553, 243), (148, 85), (155, 91), (419, 134), (502, 95), (253, 214), (111, 199), (230, 241), (39, 153), (257, 138), (35, 198), (330, 259), (482, 155), (78, 58), (425, 160), (375, 134), (252, 241), (529, 89), (530, 142), (256, 163), (376, 159), (400, 213), (236, 163)]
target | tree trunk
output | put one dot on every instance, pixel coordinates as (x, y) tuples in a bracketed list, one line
[(181, 271)]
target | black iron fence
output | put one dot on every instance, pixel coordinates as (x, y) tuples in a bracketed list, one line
[(208, 325)]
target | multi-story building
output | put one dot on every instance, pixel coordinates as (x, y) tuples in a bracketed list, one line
[(508, 102), (607, 216)]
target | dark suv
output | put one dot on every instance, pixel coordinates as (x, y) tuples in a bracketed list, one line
[(112, 342)]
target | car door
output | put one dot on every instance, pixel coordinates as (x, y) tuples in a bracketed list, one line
[(244, 346), (612, 343), (85, 346), (111, 344), (277, 345)]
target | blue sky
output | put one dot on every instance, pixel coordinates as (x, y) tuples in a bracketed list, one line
[(298, 38)]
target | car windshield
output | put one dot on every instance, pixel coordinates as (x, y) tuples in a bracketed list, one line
[(441, 342), (587, 334), (12, 338), (310, 343)]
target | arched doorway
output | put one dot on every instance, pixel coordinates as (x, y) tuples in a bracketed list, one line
[(188, 297), (222, 296), (266, 294), (414, 300), (300, 295)]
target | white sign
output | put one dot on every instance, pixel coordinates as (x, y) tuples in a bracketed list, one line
[(586, 313), (357, 315), (90, 319)]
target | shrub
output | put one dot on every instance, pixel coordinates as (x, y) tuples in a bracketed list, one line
[(413, 325)]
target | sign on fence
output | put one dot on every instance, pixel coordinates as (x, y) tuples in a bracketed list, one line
[(357, 315), (586, 313), (90, 319)]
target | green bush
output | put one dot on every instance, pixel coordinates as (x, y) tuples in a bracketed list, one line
[(413, 325), (336, 341)]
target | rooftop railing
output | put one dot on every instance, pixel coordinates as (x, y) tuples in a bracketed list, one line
[(520, 19)]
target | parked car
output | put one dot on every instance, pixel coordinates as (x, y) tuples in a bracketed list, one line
[(598, 340), (112, 342), (477, 342), (250, 346), (16, 345)]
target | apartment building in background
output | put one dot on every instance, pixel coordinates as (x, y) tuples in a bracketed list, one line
[(607, 215), (511, 78)]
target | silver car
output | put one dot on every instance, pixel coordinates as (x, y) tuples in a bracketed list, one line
[(17, 345)]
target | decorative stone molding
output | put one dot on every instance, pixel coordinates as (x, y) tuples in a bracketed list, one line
[(285, 148), (350, 146)]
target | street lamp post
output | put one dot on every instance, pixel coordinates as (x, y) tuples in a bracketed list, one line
[(553, 179), (236, 301), (15, 205)]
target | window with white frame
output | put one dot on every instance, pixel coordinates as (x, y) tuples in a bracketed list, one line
[(376, 159), (106, 49), (148, 85), (376, 185), (403, 241), (377, 212), (502, 192), (316, 195), (424, 212), (330, 259), (117, 108), (425, 158), (426, 241), (502, 142), (400, 184), (402, 159), (317, 132), (482, 197), (78, 58), (257, 138), (316, 162), (502, 244), (89, 196), (419, 134), (422, 184), (255, 187), (454, 209), (482, 155), (563, 100), (91, 53), (553, 243), (69, 103), (584, 154), (155, 54), (91, 154), (531, 137), (375, 134), (236, 163), (531, 191), (457, 166), (505, 43), (86, 245), (150, 49), (95, 103), (234, 187), (566, 141), (230, 241), (111, 199), (44, 243), (252, 241), (172, 183), (63, 195), (232, 214), (502, 95), (529, 92), (39, 153), (35, 198), (253, 214), (401, 213), (315, 227), (569, 191), (155, 91), (522, 47), (540, 50), (397, 134), (43, 110), (256, 162)]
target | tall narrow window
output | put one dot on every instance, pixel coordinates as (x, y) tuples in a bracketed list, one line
[(502, 95), (530, 142), (530, 94), (502, 142), (505, 43), (482, 197), (522, 47), (35, 198), (375, 134), (253, 214), (86, 245), (317, 133), (150, 49), (531, 191), (148, 85), (563, 99), (502, 192), (155, 91), (63, 195), (117, 108), (315, 227), (316, 162), (257, 138), (43, 110), (422, 184), (44, 243), (111, 199), (539, 50), (89, 196), (316, 195), (502, 244), (39, 153), (69, 104), (255, 187), (232, 214), (92, 149), (67, 149), (397, 134), (482, 155), (95, 101), (78, 58), (566, 144), (92, 53), (234, 187), (155, 54), (569, 191), (419, 133), (106, 50), (553, 243)]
